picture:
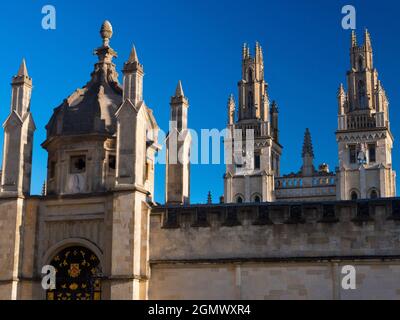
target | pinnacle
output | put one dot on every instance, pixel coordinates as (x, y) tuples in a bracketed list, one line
[(179, 90), (133, 57), (23, 71), (209, 198), (307, 145)]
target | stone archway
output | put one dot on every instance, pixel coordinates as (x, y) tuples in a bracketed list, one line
[(78, 275)]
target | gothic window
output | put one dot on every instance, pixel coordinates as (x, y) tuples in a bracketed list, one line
[(352, 154), (239, 199), (362, 95), (78, 275), (374, 194), (78, 164), (257, 199), (354, 196), (372, 153)]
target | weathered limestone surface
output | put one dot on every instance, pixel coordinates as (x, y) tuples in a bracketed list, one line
[(285, 260)]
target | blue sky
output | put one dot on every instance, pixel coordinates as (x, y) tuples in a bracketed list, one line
[(306, 56)]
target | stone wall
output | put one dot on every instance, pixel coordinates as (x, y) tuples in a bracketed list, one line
[(316, 280), (277, 251), (11, 212)]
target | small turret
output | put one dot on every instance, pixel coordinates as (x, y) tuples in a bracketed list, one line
[(133, 78), (18, 137), (178, 150)]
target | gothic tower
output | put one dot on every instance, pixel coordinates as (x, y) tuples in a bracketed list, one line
[(18, 138), (364, 137), (178, 151), (252, 147)]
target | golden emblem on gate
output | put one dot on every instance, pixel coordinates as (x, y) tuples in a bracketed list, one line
[(74, 270)]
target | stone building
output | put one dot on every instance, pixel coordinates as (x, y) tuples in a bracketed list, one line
[(275, 237)]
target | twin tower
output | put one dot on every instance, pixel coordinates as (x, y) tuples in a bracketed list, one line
[(364, 139), (104, 138)]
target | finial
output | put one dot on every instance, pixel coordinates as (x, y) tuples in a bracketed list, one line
[(106, 32), (353, 39), (307, 145), (231, 109), (231, 99), (274, 107), (341, 90), (44, 188), (244, 50), (209, 198), (23, 71), (133, 57), (367, 38), (179, 90)]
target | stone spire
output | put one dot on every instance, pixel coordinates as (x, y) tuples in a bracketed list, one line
[(179, 107), (353, 39), (341, 90), (245, 51), (179, 90), (308, 155), (274, 115), (307, 145), (231, 110), (133, 57), (367, 40), (23, 71), (21, 90), (18, 137), (341, 96), (178, 147), (133, 78)]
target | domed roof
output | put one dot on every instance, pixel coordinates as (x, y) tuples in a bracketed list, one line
[(92, 108)]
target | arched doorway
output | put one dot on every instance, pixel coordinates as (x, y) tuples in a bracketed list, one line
[(78, 275)]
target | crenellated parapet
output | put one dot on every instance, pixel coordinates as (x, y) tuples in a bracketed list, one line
[(275, 230)]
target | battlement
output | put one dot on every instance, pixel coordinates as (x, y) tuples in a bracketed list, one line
[(276, 230)]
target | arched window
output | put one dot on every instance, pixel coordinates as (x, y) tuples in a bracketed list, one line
[(360, 63), (362, 95), (257, 199), (239, 200), (374, 194), (354, 195), (250, 75)]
